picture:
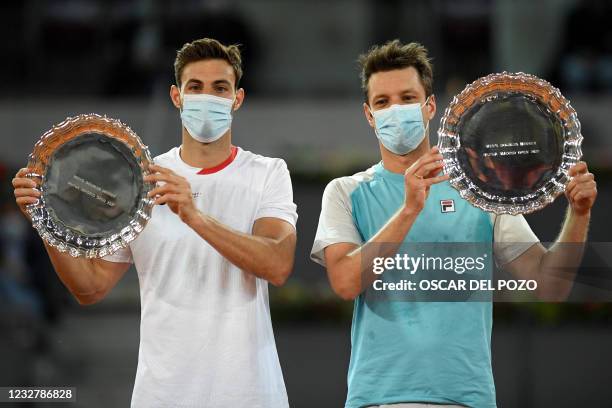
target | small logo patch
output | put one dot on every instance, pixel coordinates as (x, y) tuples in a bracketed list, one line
[(447, 205)]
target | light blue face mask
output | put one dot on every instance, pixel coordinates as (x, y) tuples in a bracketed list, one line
[(206, 117), (400, 127)]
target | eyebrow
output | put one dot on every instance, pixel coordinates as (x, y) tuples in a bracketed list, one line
[(216, 82), (409, 91), (222, 82), (193, 81)]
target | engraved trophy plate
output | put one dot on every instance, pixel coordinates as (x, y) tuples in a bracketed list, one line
[(508, 141), (93, 195)]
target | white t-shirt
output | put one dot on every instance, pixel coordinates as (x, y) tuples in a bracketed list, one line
[(511, 234), (206, 336)]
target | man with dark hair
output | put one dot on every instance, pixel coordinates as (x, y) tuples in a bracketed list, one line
[(406, 353), (207, 48), (223, 227)]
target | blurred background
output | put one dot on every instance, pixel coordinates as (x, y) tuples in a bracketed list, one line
[(303, 104)]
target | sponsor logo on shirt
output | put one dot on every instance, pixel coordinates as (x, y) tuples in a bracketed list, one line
[(447, 206)]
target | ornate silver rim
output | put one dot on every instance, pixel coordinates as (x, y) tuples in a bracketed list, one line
[(449, 140), (51, 229)]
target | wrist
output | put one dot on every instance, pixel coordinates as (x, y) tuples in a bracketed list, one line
[(193, 219), (584, 214), (408, 213)]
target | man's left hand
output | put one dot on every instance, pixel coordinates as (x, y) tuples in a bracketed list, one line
[(176, 192), (581, 191)]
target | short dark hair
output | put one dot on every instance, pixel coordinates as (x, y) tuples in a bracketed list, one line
[(207, 48), (395, 55)]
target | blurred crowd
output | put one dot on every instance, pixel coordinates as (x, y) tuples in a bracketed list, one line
[(31, 297), (57, 46)]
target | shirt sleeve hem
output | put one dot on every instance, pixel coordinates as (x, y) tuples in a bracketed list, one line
[(317, 254), (511, 255), (111, 258), (290, 218)]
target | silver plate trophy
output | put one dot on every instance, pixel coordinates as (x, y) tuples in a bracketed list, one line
[(94, 198), (508, 141)]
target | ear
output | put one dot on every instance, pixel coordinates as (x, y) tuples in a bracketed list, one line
[(175, 96), (239, 99), (368, 114), (431, 107)]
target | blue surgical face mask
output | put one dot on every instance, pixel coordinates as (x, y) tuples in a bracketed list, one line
[(206, 117), (400, 127)]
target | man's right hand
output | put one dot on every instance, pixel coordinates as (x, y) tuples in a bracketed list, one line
[(25, 190), (89, 280), (419, 177)]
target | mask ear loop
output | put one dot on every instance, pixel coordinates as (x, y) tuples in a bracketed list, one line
[(373, 120), (370, 110), (428, 120), (426, 101), (234, 104), (182, 99)]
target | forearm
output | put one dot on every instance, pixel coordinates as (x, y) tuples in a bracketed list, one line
[(357, 266), (79, 275), (266, 258), (575, 227), (560, 263)]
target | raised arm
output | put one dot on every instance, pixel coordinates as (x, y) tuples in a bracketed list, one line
[(554, 269), (89, 280), (349, 266), (267, 253)]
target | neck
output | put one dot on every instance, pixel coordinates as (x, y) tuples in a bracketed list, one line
[(205, 155), (398, 164)]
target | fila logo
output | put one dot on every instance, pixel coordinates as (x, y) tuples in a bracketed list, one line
[(447, 205)]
